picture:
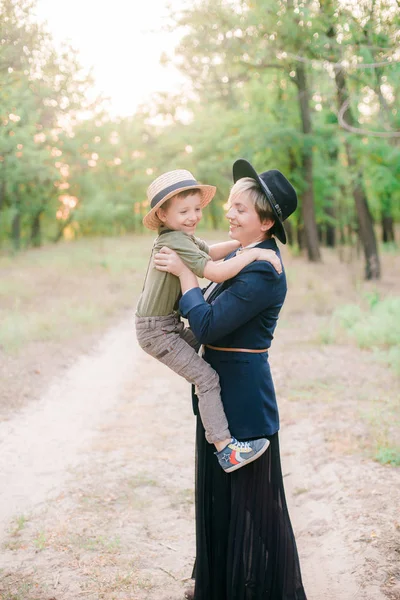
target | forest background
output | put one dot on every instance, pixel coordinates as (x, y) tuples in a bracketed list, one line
[(308, 87)]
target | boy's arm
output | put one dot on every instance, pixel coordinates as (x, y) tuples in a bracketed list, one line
[(219, 251), (222, 271), (199, 262)]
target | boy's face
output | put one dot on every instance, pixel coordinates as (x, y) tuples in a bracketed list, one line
[(182, 214)]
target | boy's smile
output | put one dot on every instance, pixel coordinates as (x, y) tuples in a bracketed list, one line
[(182, 214)]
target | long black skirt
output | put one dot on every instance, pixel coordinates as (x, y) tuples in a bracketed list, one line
[(245, 547)]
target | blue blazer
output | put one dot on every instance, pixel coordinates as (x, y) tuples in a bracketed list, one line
[(242, 313)]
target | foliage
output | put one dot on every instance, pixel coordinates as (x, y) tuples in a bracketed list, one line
[(40, 89), (373, 327), (388, 456), (68, 169)]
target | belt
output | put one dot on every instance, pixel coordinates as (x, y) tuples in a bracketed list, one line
[(253, 350)]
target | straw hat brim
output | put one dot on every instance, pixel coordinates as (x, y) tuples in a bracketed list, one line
[(151, 221)]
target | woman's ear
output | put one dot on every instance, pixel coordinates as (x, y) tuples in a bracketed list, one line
[(267, 224)]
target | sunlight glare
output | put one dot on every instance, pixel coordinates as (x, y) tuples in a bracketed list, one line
[(122, 42)]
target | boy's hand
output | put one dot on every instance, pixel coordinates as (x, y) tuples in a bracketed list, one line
[(271, 257), (168, 260)]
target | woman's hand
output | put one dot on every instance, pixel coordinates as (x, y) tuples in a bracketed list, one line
[(168, 260), (271, 257)]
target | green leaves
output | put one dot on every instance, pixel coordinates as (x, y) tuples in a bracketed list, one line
[(65, 159)]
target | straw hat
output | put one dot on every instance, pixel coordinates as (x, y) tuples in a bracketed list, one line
[(169, 184)]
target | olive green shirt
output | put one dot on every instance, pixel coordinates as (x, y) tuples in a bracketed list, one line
[(161, 290)]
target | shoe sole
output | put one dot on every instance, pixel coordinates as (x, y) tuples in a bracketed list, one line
[(248, 461)]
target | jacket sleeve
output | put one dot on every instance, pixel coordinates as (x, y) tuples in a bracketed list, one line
[(254, 289)]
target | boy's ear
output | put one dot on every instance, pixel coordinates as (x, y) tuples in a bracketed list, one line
[(267, 224), (161, 214)]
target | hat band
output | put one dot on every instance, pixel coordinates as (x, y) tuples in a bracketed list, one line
[(172, 188), (272, 200)]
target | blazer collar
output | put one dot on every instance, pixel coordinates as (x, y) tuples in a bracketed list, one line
[(270, 244)]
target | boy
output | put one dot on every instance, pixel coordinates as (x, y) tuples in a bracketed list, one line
[(176, 201)]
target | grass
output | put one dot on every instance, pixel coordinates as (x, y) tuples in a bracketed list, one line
[(369, 421), (388, 456), (19, 591), (390, 357), (326, 335), (141, 480), (96, 543), (40, 541), (19, 525), (182, 498), (109, 585), (299, 491), (61, 322), (377, 326), (373, 324), (56, 293), (381, 415), (331, 307)]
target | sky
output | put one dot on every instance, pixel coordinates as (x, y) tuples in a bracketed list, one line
[(122, 40)]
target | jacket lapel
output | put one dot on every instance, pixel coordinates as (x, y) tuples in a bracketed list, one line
[(217, 288)]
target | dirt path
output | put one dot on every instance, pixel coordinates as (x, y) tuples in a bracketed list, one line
[(92, 506), (43, 441)]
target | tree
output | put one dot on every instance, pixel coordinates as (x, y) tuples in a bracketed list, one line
[(229, 43), (40, 88)]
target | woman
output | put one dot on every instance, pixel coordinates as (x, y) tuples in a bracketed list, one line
[(245, 547)]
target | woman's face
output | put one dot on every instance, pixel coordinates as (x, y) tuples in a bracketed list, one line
[(244, 222)]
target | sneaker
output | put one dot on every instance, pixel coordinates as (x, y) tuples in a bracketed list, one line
[(238, 454)]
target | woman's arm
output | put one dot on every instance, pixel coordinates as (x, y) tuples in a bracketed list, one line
[(255, 289), (219, 251)]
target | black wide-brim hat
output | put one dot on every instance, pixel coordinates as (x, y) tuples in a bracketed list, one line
[(279, 192)]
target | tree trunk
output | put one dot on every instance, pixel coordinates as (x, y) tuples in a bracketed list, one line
[(308, 210), (365, 229), (385, 119), (214, 215), (300, 236), (36, 233), (331, 209), (16, 231), (60, 231), (387, 228), (2, 193), (330, 236), (289, 232), (330, 227)]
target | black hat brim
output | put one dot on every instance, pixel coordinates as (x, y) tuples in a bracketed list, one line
[(242, 168)]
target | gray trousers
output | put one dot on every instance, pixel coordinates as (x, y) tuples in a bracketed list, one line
[(173, 344)]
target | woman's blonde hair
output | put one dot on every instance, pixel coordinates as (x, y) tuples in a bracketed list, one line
[(252, 189)]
